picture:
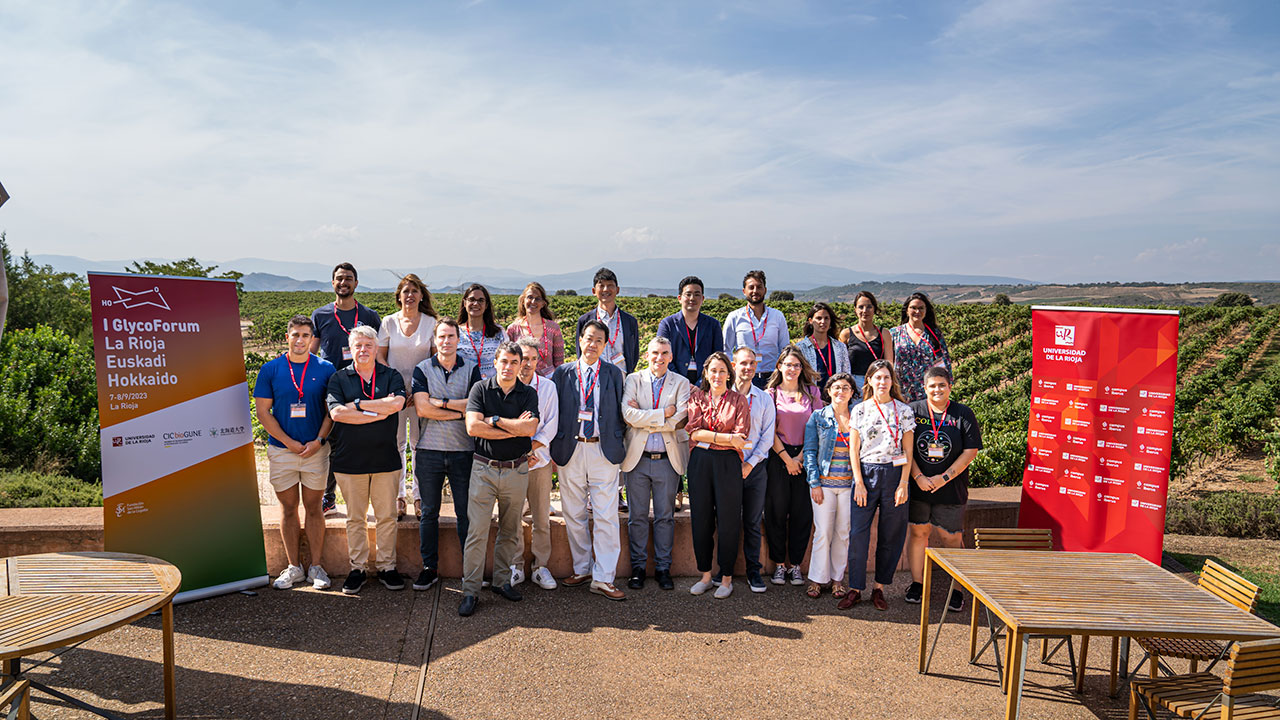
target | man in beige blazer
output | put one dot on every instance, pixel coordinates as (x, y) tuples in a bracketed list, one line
[(655, 405)]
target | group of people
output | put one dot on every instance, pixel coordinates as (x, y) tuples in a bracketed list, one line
[(783, 440)]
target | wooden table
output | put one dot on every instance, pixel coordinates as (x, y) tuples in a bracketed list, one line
[(57, 600), (1078, 593)]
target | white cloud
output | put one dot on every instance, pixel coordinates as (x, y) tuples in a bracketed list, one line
[(636, 239), (1195, 248)]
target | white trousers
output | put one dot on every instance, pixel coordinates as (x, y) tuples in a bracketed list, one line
[(589, 472), (830, 554)]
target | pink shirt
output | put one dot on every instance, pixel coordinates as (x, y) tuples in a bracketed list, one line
[(551, 354), (792, 414)]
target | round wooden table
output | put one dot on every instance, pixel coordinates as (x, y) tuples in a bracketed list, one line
[(55, 600)]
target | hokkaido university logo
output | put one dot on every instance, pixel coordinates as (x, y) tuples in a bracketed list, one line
[(1064, 335)]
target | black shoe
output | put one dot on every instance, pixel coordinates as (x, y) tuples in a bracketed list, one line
[(328, 505), (355, 581), (637, 579), (391, 579), (914, 593), (622, 503), (468, 605), (956, 604), (426, 579), (756, 583), (664, 580), (507, 592)]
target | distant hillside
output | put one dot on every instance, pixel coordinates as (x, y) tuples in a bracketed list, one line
[(1121, 294)]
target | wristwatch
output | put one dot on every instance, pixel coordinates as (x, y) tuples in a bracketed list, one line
[(946, 477), (357, 404), (494, 421)]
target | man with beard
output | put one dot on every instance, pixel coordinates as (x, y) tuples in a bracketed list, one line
[(763, 329)]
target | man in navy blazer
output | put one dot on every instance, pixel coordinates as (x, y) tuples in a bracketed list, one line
[(623, 346), (589, 449)]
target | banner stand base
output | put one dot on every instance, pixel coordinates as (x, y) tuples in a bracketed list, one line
[(223, 589)]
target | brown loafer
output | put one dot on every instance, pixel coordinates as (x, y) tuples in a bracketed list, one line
[(877, 599), (853, 598), (576, 580), (608, 590)]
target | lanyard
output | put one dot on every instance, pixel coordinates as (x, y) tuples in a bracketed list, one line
[(587, 391), (657, 394), (935, 350), (865, 341), (842, 437), (373, 382), (830, 360), (615, 331), (755, 341), (545, 351), (339, 320), (941, 420), (297, 384), (473, 342), (692, 337), (893, 435), (715, 408)]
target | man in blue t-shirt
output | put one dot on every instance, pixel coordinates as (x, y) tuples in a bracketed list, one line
[(289, 397), (332, 325)]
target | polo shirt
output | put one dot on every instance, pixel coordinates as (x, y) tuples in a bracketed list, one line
[(488, 399), (431, 378), (371, 448), (334, 326), (276, 383)]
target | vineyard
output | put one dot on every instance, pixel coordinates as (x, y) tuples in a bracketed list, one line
[(1228, 366)]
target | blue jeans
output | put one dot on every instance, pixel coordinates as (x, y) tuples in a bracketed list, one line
[(891, 534), (431, 467)]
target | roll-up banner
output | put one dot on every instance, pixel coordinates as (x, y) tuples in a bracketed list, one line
[(178, 475), (1101, 424)]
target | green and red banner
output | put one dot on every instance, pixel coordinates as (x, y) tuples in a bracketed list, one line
[(1101, 427), (178, 475)]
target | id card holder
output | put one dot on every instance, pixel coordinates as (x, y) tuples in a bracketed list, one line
[(298, 410), (620, 360), (346, 353), (935, 452), (704, 446), (693, 366), (899, 460), (746, 446), (584, 416)]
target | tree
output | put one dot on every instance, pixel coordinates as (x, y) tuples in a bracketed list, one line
[(562, 292), (38, 295), (1232, 299), (726, 296), (1001, 299), (187, 267), (777, 295)]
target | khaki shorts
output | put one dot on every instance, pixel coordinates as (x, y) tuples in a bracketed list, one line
[(289, 469)]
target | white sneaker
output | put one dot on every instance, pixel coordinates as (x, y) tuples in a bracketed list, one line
[(542, 577), (517, 576), (724, 591), (700, 587), (318, 577), (780, 574), (289, 577), (797, 578)]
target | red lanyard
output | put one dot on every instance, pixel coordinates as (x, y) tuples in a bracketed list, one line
[(373, 382), (941, 420), (473, 342), (842, 437), (546, 350), (613, 332), (715, 409), (692, 337), (657, 394), (936, 350), (893, 435), (763, 326), (339, 320), (829, 360), (594, 381), (865, 341), (297, 384)]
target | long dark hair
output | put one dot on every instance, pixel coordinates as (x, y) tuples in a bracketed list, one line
[(717, 355), (808, 376), (930, 318), (490, 325), (833, 331), (425, 306)]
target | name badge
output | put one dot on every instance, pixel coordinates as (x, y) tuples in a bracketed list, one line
[(935, 452), (370, 413), (746, 446), (704, 446), (899, 460), (693, 366), (298, 410), (620, 360), (346, 353), (584, 416)]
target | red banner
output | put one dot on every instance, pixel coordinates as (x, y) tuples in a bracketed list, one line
[(1101, 424)]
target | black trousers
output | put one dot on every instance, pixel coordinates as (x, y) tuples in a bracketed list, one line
[(788, 514), (715, 507)]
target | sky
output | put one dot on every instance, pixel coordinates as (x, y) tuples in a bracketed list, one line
[(1055, 140)]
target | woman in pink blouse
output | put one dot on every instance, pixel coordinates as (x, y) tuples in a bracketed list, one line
[(788, 514), (719, 421), (534, 319)]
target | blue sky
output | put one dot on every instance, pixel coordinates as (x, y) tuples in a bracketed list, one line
[(1058, 140)]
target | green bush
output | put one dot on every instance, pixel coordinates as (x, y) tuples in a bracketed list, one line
[(48, 404), (1226, 514), (32, 489)]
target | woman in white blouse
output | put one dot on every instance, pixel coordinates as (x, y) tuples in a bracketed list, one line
[(404, 340)]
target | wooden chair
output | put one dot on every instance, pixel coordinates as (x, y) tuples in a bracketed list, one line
[(1251, 667), (1223, 583), (1015, 539), (15, 700)]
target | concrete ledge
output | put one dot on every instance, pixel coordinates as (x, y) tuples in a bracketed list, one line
[(35, 530)]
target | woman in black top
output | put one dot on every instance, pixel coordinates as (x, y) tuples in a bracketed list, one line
[(867, 341)]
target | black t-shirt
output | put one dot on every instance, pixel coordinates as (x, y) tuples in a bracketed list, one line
[(861, 355), (371, 448), (334, 329), (488, 399), (960, 432)]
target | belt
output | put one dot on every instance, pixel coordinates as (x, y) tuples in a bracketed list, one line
[(588, 439), (655, 456), (503, 464)]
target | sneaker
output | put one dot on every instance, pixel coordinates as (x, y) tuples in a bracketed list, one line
[(914, 593), (956, 603), (289, 577), (517, 575), (796, 577), (318, 577), (780, 574), (543, 578), (622, 502), (329, 505), (355, 581), (426, 579), (724, 591), (700, 587), (391, 579), (756, 583)]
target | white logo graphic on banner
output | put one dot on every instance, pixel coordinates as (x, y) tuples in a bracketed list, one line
[(1064, 335), (131, 300)]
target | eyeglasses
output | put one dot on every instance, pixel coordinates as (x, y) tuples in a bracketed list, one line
[(474, 300)]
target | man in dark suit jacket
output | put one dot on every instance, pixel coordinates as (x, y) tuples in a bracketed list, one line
[(623, 346), (589, 449)]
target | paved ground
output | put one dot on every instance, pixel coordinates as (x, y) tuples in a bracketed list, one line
[(561, 654)]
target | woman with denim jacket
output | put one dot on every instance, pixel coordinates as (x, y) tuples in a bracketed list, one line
[(830, 474)]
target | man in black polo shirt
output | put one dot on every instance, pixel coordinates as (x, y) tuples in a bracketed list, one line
[(364, 400), (502, 415)]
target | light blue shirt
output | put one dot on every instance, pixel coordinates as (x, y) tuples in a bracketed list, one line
[(763, 417), (767, 336), (654, 444)]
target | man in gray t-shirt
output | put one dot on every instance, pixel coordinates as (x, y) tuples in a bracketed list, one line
[(441, 384)]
